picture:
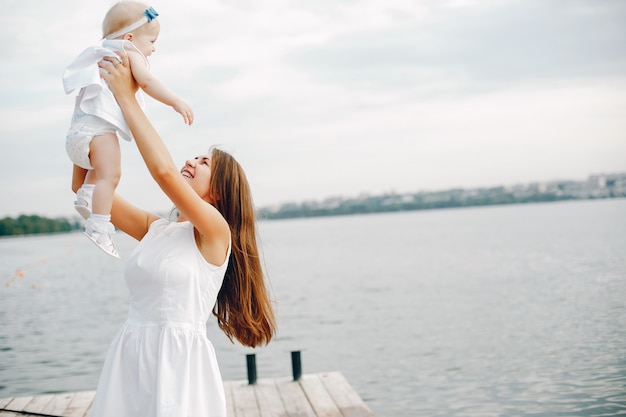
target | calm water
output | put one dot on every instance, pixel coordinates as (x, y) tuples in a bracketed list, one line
[(493, 311)]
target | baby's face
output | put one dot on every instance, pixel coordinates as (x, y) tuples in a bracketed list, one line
[(145, 37)]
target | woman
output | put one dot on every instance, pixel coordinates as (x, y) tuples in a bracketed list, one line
[(161, 364)]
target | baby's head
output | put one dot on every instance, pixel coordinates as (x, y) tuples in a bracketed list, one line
[(133, 21)]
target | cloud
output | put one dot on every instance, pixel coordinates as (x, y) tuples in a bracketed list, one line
[(337, 97), (489, 46)]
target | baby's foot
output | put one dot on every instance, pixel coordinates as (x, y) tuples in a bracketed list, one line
[(102, 237), (83, 201)]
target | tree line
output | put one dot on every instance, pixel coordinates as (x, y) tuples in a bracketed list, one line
[(387, 203), (27, 225)]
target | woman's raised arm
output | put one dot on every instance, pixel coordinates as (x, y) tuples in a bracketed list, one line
[(206, 218)]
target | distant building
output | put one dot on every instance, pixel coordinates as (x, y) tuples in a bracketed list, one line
[(595, 186)]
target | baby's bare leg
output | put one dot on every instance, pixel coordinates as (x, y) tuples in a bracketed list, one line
[(105, 157), (91, 177), (78, 177)]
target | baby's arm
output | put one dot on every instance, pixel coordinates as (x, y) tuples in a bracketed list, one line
[(155, 88)]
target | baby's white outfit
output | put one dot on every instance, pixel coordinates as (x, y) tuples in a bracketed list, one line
[(96, 111)]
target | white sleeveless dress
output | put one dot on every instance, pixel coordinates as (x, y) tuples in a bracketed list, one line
[(161, 364)]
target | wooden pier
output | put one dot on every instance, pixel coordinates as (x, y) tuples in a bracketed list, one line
[(312, 395)]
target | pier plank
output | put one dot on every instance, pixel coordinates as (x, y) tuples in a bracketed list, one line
[(18, 403), (295, 401), (58, 404), (348, 401), (88, 411), (228, 392), (38, 404), (268, 399), (5, 401), (245, 401), (319, 397), (79, 404)]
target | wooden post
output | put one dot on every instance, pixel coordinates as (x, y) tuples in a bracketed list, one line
[(296, 365), (251, 362)]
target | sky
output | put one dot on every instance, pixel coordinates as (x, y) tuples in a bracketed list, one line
[(318, 99)]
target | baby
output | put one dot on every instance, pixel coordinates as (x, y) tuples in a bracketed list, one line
[(92, 141)]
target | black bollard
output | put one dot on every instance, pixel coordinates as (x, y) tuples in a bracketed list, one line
[(296, 365), (251, 362)]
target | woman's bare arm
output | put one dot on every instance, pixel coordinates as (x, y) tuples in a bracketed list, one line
[(130, 219), (212, 227)]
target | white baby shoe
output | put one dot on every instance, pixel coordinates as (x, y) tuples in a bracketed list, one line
[(101, 235), (83, 201)]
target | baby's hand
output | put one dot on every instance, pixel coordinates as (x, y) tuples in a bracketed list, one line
[(184, 109)]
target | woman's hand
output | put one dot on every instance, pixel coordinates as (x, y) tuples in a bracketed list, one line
[(118, 75)]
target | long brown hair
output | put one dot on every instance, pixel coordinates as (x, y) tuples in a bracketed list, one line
[(243, 308)]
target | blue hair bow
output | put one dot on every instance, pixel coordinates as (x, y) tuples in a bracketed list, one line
[(151, 14)]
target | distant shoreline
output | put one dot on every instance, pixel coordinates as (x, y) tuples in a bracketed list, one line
[(595, 187), (36, 225), (354, 210)]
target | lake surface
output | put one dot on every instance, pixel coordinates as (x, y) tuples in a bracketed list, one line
[(491, 311)]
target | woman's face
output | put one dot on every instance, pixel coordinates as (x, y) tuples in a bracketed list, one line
[(197, 172)]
